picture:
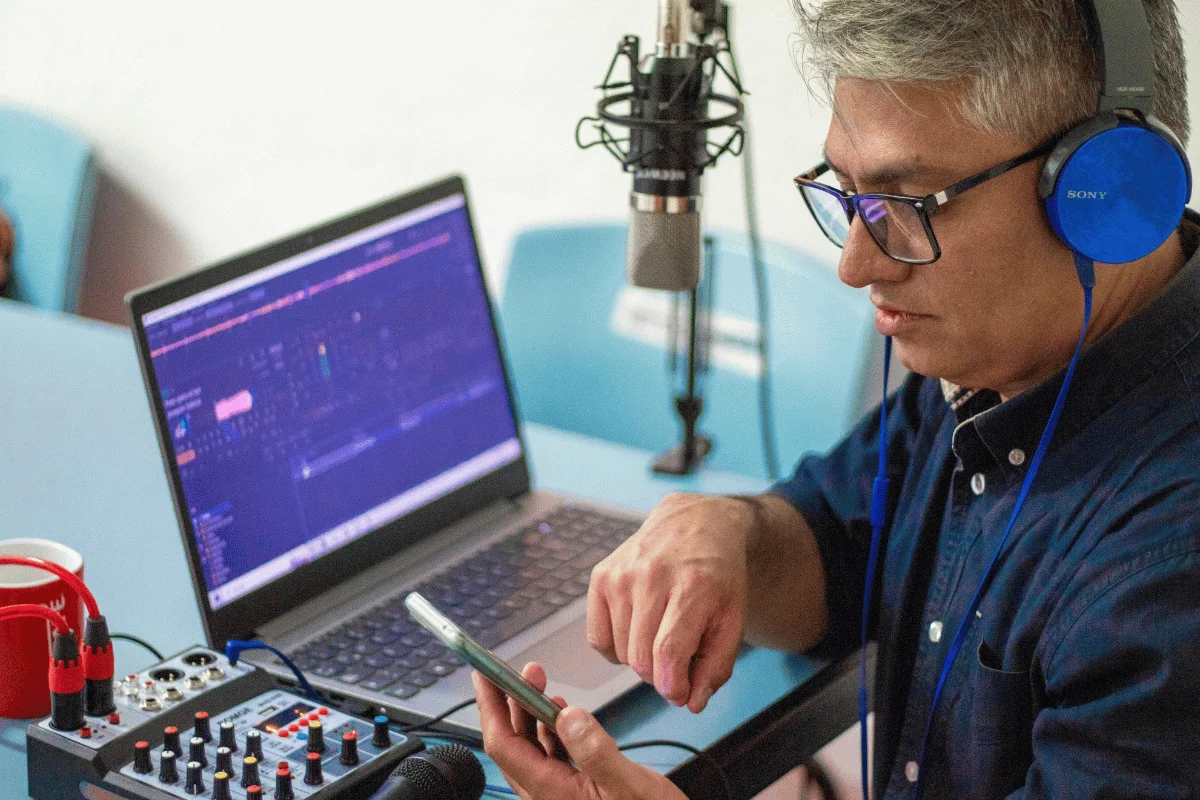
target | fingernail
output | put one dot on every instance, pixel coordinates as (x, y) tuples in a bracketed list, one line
[(644, 673), (705, 695), (575, 724)]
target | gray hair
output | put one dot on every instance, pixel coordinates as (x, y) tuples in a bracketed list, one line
[(1027, 67)]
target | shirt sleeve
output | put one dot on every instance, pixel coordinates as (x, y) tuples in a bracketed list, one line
[(833, 494), (1120, 717)]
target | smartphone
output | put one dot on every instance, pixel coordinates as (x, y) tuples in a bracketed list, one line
[(491, 666)]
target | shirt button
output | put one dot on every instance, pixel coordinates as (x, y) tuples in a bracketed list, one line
[(935, 631), (1016, 456), (978, 483), (910, 771)]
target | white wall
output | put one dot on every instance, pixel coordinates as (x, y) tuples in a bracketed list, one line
[(222, 124)]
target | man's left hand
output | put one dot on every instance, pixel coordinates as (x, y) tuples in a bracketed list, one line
[(535, 760)]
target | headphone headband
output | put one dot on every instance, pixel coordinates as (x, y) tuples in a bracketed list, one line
[(1123, 43)]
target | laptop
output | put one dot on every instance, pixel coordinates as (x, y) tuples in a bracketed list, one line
[(338, 429)]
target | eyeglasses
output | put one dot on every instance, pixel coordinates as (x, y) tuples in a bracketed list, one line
[(898, 223)]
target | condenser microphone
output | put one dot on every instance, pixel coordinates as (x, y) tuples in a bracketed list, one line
[(448, 772), (668, 149), (663, 249)]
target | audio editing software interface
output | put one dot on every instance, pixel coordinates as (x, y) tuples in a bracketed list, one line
[(317, 399)]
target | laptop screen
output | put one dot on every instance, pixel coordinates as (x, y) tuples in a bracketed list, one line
[(317, 399)]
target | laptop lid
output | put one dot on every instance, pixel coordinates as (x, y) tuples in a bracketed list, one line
[(326, 401)]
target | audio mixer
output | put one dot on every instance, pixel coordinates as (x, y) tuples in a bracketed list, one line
[(198, 726)]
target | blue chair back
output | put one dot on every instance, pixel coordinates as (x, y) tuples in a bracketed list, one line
[(588, 353), (47, 188)]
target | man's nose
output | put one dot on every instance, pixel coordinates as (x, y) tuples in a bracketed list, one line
[(863, 262)]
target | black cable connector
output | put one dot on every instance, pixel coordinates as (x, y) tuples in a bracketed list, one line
[(98, 667), (66, 683)]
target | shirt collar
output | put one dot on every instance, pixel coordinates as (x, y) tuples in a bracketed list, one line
[(1108, 370)]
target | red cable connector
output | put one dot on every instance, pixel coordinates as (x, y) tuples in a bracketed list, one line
[(66, 669)]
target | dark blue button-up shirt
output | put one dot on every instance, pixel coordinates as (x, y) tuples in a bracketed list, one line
[(1080, 676)]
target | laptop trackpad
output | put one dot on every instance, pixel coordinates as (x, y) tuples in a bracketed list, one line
[(569, 659)]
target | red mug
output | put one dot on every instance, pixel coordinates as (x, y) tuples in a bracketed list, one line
[(25, 643)]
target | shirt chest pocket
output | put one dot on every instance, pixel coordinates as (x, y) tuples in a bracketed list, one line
[(991, 749)]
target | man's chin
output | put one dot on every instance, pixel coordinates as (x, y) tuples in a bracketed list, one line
[(923, 358)]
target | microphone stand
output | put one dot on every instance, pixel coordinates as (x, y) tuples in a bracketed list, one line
[(686, 457)]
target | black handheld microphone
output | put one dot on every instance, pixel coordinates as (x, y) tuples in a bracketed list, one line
[(667, 148), (448, 772)]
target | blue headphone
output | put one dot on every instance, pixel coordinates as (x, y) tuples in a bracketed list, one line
[(1116, 185)]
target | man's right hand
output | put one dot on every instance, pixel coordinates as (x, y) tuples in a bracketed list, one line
[(671, 601)]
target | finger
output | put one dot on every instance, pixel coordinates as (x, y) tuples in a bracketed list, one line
[(560, 752), (715, 657), (596, 754), (522, 721), (620, 612), (648, 609), (523, 763), (550, 742), (496, 723), (535, 673), (683, 624), (599, 622)]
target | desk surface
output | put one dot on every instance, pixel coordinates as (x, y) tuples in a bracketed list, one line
[(79, 463)]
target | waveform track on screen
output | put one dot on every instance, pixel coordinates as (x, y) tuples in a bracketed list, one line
[(303, 294)]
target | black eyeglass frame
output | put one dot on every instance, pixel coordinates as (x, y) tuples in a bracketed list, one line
[(924, 206)]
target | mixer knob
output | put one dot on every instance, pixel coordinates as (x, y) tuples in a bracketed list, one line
[(167, 771), (203, 728), (383, 735), (254, 792), (195, 778), (221, 786), (224, 760), (142, 764), (227, 737), (312, 770), (254, 744), (349, 755), (196, 751), (283, 782), (171, 739), (249, 771), (316, 737)]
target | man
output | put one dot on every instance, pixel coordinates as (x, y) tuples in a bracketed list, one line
[(1079, 676)]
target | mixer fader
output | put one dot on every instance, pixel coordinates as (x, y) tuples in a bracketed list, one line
[(197, 726)]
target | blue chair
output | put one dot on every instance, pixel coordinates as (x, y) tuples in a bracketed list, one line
[(588, 352), (47, 188)]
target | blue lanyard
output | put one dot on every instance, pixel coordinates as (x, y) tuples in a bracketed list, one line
[(879, 494), (1087, 279)]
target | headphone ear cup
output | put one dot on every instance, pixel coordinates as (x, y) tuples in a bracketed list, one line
[(1116, 189)]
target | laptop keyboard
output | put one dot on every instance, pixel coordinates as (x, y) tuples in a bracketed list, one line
[(494, 595)]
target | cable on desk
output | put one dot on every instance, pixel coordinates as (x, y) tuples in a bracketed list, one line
[(703, 756), (416, 726), (128, 637)]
